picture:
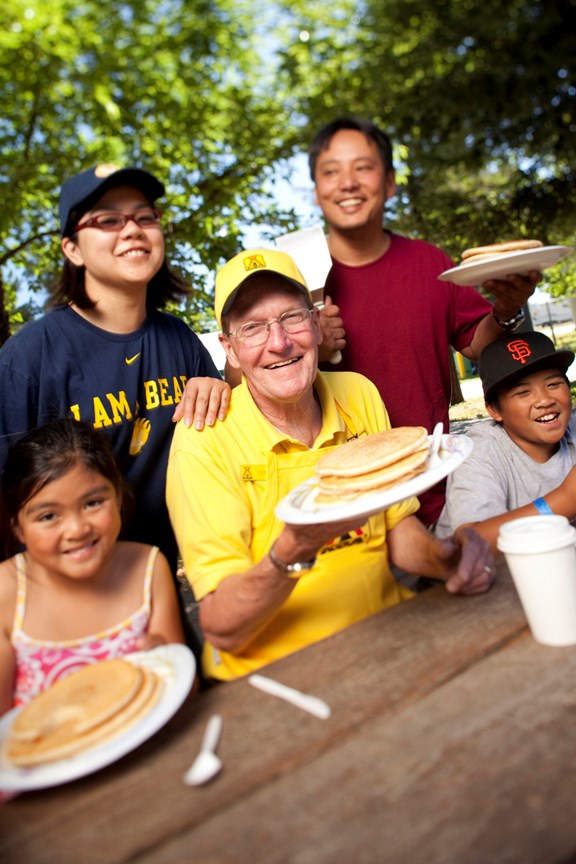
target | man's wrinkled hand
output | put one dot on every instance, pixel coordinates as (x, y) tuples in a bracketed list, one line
[(470, 562)]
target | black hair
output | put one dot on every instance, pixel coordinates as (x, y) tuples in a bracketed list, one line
[(45, 454), (322, 139), (70, 287)]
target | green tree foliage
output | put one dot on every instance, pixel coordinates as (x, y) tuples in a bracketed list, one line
[(216, 95), (479, 99), (174, 86)]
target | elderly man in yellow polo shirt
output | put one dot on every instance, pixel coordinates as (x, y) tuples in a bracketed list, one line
[(266, 589)]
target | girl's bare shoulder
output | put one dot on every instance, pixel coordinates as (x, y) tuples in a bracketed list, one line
[(8, 588), (8, 574)]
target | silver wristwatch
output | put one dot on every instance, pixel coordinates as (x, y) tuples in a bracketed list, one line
[(292, 570), (513, 323)]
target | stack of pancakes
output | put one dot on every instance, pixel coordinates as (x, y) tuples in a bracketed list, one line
[(369, 465), (480, 253), (85, 708)]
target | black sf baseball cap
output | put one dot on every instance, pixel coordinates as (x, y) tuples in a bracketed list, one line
[(510, 358), (84, 189)]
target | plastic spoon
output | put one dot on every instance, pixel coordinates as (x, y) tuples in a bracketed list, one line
[(207, 764), (434, 459)]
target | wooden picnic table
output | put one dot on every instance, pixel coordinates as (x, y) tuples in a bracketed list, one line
[(452, 739)]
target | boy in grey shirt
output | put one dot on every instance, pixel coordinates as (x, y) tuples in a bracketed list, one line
[(523, 457)]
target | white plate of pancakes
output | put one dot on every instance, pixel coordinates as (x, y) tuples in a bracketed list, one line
[(393, 476), (125, 709), (479, 267)]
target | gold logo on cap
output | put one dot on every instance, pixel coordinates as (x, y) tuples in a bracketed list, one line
[(105, 170), (254, 262)]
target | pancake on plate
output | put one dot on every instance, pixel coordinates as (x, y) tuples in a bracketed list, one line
[(481, 253), (87, 707), (371, 464)]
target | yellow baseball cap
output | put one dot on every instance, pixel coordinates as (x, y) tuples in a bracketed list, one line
[(243, 266)]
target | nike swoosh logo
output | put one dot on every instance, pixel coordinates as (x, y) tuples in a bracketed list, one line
[(131, 360)]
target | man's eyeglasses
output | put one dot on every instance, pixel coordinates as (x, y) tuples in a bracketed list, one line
[(147, 218), (256, 332)]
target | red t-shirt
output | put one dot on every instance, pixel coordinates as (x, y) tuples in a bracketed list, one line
[(400, 322)]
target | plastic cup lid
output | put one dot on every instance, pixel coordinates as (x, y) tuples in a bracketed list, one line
[(535, 534)]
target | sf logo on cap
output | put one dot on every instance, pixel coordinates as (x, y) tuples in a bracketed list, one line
[(520, 350), (254, 262)]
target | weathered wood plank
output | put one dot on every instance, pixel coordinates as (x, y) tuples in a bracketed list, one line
[(480, 771), (375, 669)]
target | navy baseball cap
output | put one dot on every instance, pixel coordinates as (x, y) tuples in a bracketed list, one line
[(87, 187), (518, 354)]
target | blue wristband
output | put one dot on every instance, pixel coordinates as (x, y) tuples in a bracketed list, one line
[(542, 507)]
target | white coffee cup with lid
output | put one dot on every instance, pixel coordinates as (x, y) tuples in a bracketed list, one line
[(541, 556)]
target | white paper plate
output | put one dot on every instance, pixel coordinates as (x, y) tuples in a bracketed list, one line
[(299, 507), (503, 265), (177, 667)]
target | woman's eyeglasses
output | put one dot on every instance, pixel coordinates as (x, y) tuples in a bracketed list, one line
[(148, 218)]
